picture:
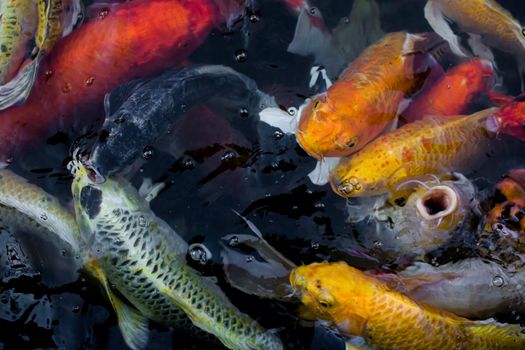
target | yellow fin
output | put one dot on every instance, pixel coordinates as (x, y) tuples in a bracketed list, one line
[(353, 325), (132, 324)]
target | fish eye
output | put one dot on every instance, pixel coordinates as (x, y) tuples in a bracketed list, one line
[(523, 31), (316, 104), (352, 143)]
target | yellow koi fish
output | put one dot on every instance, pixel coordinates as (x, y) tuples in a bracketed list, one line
[(486, 22), (429, 146), (360, 305)]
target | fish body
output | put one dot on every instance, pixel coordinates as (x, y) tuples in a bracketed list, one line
[(487, 23), (31, 29), (115, 47), (473, 287), (144, 259), (18, 25), (454, 92), (34, 203), (360, 305), (428, 146), (141, 112), (365, 99), (433, 211), (511, 119)]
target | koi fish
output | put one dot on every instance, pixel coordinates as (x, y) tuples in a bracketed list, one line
[(472, 287), (144, 259), (433, 211), (454, 92), (486, 22), (368, 95), (35, 23), (115, 47), (511, 116), (360, 305), (135, 119), (428, 146)]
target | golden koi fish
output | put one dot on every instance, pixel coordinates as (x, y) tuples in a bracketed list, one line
[(365, 99), (486, 22), (360, 305), (429, 146)]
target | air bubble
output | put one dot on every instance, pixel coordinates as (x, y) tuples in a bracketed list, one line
[(278, 134), (498, 281), (319, 205), (199, 252), (292, 111), (147, 152), (142, 221), (243, 112), (250, 259), (241, 55), (188, 163), (43, 216), (75, 309), (314, 245)]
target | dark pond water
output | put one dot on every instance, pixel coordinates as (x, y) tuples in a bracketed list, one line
[(44, 303)]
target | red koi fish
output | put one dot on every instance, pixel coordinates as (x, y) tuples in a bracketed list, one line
[(120, 44), (454, 92), (511, 115)]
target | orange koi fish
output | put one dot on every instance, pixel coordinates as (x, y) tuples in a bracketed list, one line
[(360, 305), (366, 98), (454, 92), (428, 146), (116, 46)]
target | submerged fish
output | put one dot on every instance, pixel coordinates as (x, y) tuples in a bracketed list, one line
[(454, 93), (141, 113), (511, 115), (473, 287), (368, 95), (30, 29), (433, 211), (111, 49), (428, 146), (144, 259), (486, 22), (360, 305)]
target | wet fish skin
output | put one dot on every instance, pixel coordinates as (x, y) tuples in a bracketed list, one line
[(365, 99), (141, 112), (428, 146), (109, 50), (18, 25), (37, 205), (360, 305), (454, 92), (145, 260)]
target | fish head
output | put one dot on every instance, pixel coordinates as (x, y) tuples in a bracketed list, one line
[(329, 290), (511, 119), (93, 200), (323, 133), (355, 180)]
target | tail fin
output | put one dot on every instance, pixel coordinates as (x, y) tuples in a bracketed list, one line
[(311, 35), (17, 90)]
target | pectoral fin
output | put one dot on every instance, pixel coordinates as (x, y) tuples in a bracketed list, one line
[(321, 174), (353, 325), (132, 324), (17, 90)]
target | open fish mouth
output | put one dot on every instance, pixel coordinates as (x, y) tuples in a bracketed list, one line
[(437, 202)]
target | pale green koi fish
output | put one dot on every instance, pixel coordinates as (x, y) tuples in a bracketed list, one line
[(144, 259)]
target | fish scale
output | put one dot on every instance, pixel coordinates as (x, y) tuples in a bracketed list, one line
[(429, 146), (145, 261)]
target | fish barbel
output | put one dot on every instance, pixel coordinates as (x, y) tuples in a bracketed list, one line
[(365, 99), (144, 259), (486, 22), (360, 305), (428, 146)]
